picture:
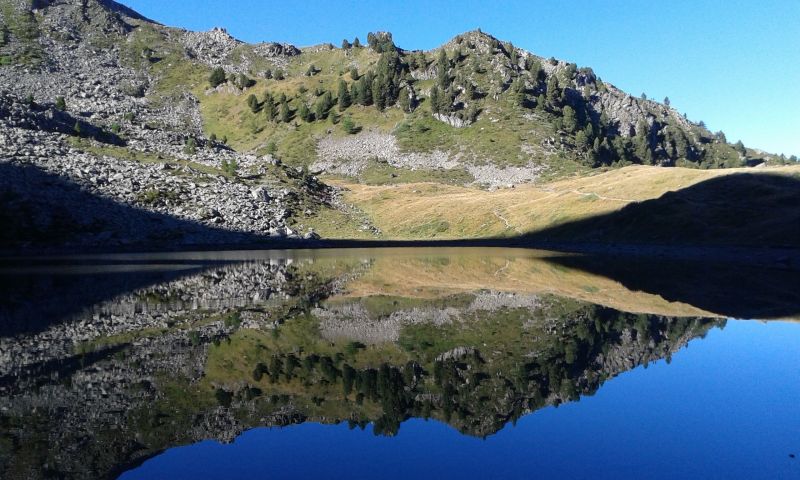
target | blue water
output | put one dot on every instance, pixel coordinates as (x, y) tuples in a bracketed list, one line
[(726, 407)]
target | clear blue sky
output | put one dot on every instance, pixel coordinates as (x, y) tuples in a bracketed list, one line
[(733, 63)]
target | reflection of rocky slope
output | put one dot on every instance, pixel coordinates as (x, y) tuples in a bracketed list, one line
[(212, 353), (353, 321), (157, 307)]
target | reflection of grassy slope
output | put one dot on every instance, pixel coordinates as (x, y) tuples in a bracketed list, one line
[(521, 272), (428, 210)]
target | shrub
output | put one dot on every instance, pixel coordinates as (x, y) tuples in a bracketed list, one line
[(61, 104), (133, 89), (349, 126), (190, 147), (244, 81), (230, 168), (116, 128), (217, 77)]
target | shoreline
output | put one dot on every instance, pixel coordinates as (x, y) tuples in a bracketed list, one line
[(786, 258)]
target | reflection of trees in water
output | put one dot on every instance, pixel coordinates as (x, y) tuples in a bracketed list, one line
[(477, 395)]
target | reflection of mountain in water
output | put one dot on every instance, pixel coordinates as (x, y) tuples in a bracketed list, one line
[(210, 353)]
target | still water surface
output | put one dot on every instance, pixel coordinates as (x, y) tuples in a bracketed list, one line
[(396, 363)]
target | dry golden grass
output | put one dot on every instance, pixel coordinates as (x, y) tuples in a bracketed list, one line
[(432, 210), (429, 273)]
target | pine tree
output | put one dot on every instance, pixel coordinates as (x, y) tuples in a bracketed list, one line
[(379, 93), (345, 44), (553, 91), (570, 121), (518, 92), (343, 96), (405, 101), (435, 99), (61, 104), (323, 105), (286, 113), (269, 107), (356, 43), (252, 102), (534, 67), (540, 102), (354, 93), (442, 67), (642, 146), (580, 138), (304, 112), (469, 91), (365, 89), (666, 101), (354, 73)]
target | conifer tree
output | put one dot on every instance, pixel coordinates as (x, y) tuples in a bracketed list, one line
[(343, 96), (345, 44), (304, 112), (356, 43), (518, 92), (553, 91), (323, 105), (469, 91), (435, 94), (442, 67), (252, 102), (379, 93), (286, 113), (570, 121), (269, 107), (405, 101)]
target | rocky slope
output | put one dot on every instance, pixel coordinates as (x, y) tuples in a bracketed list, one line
[(108, 166)]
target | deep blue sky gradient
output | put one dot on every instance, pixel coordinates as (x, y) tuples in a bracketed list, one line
[(733, 63)]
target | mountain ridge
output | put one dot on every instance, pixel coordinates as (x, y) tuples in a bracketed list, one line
[(212, 114)]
